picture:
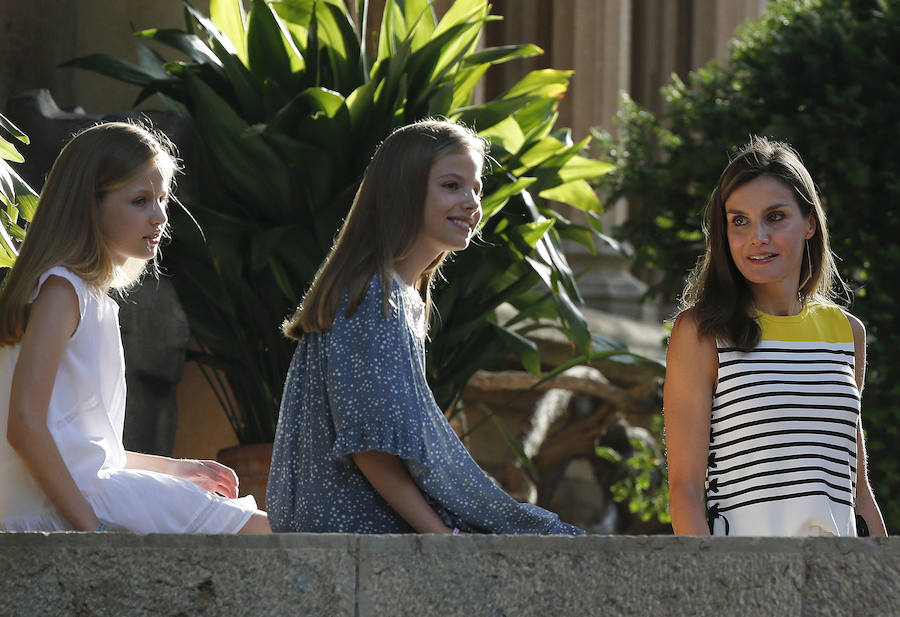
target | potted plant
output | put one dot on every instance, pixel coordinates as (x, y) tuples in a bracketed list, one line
[(288, 104)]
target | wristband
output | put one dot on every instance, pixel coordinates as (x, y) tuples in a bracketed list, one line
[(455, 531)]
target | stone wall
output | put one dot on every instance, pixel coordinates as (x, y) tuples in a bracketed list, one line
[(495, 576)]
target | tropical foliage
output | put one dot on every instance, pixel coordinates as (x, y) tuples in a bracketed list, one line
[(289, 103), (822, 75), (17, 200)]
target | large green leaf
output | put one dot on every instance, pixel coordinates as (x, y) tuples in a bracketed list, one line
[(189, 44), (210, 29), (494, 202), (250, 167), (577, 193), (8, 151), (583, 168), (506, 134), (13, 130), (231, 20), (114, 67), (505, 53), (269, 54), (335, 33)]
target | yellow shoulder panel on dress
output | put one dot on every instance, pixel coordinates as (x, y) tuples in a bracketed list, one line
[(816, 322)]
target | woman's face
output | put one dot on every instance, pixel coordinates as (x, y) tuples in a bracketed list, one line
[(767, 233)]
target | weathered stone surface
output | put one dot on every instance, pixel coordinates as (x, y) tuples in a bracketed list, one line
[(216, 576), (852, 577), (596, 575), (333, 575)]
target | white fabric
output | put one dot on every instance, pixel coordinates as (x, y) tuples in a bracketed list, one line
[(86, 417), (783, 440)]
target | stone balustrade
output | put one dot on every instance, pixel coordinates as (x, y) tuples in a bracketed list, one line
[(84, 575)]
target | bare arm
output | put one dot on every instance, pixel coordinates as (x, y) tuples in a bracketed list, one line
[(691, 373), (389, 476), (211, 475), (52, 321), (866, 506)]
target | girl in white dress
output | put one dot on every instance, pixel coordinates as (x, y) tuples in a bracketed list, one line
[(100, 218)]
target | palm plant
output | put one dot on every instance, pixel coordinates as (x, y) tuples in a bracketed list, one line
[(289, 104), (18, 199)]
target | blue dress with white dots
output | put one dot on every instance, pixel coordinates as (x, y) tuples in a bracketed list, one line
[(361, 386)]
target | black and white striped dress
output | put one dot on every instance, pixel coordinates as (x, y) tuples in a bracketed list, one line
[(782, 447)]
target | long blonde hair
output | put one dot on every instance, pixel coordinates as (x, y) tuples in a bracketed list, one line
[(384, 222), (66, 227)]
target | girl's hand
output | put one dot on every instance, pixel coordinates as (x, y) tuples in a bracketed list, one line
[(211, 475)]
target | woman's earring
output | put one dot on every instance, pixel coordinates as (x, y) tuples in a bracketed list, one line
[(808, 267)]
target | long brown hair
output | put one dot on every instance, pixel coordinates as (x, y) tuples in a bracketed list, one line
[(384, 222), (66, 227), (717, 292)]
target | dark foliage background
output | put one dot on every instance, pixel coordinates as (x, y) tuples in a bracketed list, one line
[(823, 75)]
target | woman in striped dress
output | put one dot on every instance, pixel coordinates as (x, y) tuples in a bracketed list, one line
[(764, 369)]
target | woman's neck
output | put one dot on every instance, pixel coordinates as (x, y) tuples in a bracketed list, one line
[(778, 301)]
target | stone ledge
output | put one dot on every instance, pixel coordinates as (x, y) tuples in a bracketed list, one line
[(395, 576)]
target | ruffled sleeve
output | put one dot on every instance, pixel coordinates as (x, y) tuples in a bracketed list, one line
[(373, 393), (380, 400)]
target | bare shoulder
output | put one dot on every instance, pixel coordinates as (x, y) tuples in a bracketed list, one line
[(686, 332), (56, 305), (857, 327), (691, 356)]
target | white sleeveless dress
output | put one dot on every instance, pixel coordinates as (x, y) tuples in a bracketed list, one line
[(85, 417)]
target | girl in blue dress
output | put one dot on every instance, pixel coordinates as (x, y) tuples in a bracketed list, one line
[(361, 445)]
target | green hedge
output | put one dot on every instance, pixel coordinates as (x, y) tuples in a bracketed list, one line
[(823, 75)]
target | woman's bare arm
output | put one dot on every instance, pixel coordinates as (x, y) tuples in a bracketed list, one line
[(866, 506), (691, 373)]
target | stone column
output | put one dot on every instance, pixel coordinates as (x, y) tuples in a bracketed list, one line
[(714, 24)]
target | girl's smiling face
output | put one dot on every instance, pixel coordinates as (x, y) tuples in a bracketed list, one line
[(452, 208), (767, 233)]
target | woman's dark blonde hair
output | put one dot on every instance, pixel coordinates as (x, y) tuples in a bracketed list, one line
[(66, 227), (383, 224), (718, 294)]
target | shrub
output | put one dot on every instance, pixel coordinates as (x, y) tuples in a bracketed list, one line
[(824, 76)]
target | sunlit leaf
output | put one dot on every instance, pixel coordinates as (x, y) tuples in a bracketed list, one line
[(230, 18)]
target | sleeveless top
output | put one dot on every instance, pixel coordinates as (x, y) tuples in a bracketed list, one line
[(87, 407), (782, 445), (86, 417)]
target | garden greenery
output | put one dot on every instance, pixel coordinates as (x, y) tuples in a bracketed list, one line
[(17, 200), (289, 102), (823, 75)]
